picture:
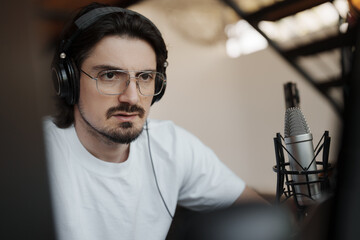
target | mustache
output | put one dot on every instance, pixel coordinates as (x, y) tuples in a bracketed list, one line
[(125, 107)]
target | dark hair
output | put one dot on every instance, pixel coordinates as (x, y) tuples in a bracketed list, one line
[(117, 23)]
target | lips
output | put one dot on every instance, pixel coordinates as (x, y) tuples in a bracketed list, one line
[(125, 117)]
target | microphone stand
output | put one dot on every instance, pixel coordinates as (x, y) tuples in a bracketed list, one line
[(284, 174)]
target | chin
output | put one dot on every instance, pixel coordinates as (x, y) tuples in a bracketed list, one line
[(125, 135)]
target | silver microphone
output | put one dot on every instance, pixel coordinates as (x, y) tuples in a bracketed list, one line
[(298, 142)]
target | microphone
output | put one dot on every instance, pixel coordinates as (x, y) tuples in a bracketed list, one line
[(299, 145)]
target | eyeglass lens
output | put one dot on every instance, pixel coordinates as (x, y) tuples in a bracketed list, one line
[(116, 82)]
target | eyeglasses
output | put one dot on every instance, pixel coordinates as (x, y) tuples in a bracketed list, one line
[(115, 82)]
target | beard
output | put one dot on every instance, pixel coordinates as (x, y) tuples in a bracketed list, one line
[(123, 133)]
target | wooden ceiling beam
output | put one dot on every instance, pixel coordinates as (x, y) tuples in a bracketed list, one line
[(282, 9)]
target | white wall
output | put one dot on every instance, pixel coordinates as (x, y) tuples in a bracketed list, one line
[(235, 106)]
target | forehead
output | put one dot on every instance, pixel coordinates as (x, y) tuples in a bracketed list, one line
[(123, 53)]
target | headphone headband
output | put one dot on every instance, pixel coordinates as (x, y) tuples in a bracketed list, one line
[(88, 19), (92, 16)]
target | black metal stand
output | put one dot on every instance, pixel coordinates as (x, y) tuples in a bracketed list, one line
[(284, 173)]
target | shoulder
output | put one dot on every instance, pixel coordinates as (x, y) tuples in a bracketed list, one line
[(175, 140), (168, 130), (55, 138), (51, 130), (175, 143), (49, 127), (178, 145)]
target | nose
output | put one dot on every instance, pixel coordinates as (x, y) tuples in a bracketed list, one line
[(131, 94)]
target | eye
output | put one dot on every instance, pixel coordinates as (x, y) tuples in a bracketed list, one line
[(108, 75), (147, 76)]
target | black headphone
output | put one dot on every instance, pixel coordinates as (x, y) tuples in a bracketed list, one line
[(65, 73)]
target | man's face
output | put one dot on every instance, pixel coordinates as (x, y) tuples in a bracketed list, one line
[(119, 118)]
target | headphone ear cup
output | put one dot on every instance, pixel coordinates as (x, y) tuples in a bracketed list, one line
[(73, 80), (66, 80), (60, 79)]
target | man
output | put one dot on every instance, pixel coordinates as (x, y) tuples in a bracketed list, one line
[(114, 173)]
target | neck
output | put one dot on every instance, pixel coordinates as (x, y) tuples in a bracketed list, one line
[(97, 144)]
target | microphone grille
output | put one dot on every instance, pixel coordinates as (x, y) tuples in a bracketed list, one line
[(295, 122)]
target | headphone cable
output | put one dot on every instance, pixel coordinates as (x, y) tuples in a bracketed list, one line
[(154, 173)]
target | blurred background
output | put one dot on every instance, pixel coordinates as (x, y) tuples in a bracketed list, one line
[(228, 63)]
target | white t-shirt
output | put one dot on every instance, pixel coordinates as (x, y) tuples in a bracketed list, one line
[(98, 200)]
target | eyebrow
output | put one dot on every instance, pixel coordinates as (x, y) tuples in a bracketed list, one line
[(110, 67)]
